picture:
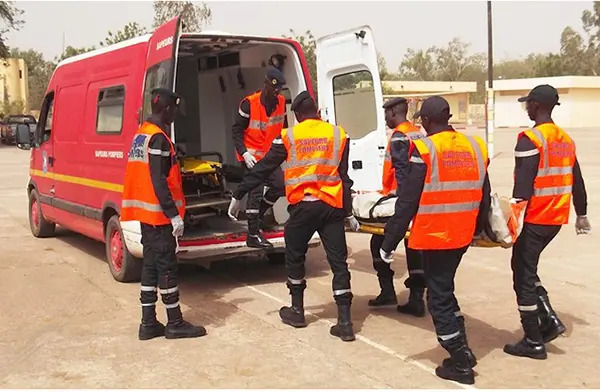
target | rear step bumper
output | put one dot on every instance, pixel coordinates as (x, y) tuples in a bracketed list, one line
[(217, 247)]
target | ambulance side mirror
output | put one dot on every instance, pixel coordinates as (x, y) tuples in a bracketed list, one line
[(23, 137)]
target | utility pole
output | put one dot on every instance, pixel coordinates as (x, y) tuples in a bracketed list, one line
[(489, 112)]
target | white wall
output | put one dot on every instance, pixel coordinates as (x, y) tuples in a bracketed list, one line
[(585, 105), (508, 112)]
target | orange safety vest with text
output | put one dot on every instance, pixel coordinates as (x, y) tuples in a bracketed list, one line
[(412, 132), (314, 152), (262, 129), (139, 199), (553, 185), (453, 189)]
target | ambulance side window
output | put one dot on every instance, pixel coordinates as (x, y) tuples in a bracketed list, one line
[(110, 110), (44, 128), (354, 103)]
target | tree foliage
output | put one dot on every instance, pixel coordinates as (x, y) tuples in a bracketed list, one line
[(9, 17), (39, 73), (194, 17), (308, 43), (71, 51), (129, 31)]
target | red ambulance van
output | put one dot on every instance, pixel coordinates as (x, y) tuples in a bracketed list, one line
[(96, 101)]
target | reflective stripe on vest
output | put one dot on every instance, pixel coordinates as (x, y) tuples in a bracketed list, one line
[(553, 185), (139, 200), (314, 150), (404, 131), (262, 129), (447, 214), (294, 162), (435, 185)]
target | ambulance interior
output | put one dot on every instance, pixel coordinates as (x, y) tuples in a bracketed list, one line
[(214, 73)]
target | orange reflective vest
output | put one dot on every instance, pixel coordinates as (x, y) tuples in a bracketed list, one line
[(139, 200), (262, 129), (449, 205), (314, 152), (550, 203), (412, 132)]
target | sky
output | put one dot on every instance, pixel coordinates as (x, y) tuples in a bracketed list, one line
[(519, 28)]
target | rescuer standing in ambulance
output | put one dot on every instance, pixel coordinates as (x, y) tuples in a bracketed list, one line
[(446, 195), (546, 175), (153, 195), (260, 119), (314, 155), (395, 169)]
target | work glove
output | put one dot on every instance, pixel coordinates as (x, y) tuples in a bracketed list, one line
[(582, 225), (517, 215), (234, 208), (177, 224), (249, 160), (353, 223), (385, 256)]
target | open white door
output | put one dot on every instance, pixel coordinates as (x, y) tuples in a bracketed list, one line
[(350, 95)]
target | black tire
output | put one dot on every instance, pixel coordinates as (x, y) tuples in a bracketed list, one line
[(276, 258), (126, 268), (39, 226)]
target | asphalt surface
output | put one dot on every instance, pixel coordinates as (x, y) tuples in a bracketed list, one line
[(65, 323)]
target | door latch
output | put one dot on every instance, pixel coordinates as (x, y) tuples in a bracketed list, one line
[(357, 165)]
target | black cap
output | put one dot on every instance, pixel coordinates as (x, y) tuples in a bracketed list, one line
[(434, 108), (543, 93), (275, 77), (300, 98), (167, 95), (393, 102)]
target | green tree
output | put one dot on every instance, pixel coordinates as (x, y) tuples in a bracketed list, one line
[(39, 73), (9, 15), (309, 46), (418, 65), (129, 31), (71, 51), (194, 17)]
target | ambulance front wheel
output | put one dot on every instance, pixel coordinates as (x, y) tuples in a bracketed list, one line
[(123, 266), (40, 227)]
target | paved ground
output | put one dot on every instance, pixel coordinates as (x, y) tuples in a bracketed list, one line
[(65, 323)]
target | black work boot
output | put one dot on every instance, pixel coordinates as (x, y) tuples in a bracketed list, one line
[(458, 367), (255, 237), (387, 297), (532, 345), (150, 327), (463, 334), (183, 329), (294, 315), (415, 305), (550, 325), (343, 328)]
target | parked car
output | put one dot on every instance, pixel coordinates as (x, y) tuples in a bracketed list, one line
[(9, 129)]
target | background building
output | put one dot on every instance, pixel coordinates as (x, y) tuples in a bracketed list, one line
[(14, 84), (579, 98), (456, 93)]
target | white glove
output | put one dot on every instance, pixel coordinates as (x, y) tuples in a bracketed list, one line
[(387, 257), (249, 160), (582, 225), (177, 224), (353, 223), (234, 208)]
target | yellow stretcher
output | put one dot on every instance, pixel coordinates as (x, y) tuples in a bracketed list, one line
[(201, 166), (379, 230)]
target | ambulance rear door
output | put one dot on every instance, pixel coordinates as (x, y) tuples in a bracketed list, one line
[(350, 95)]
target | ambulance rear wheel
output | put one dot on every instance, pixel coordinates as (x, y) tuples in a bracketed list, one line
[(40, 227), (123, 266)]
